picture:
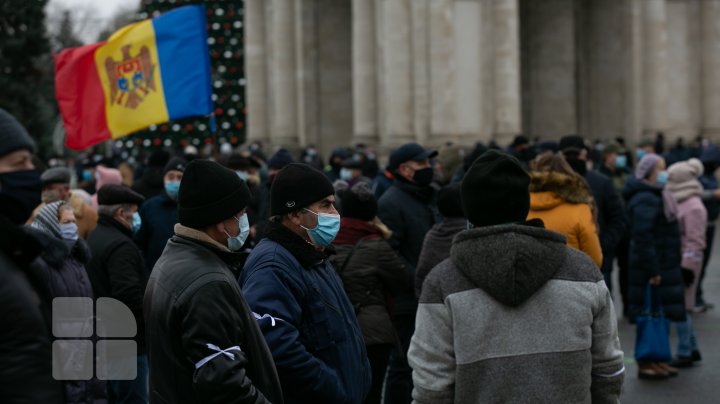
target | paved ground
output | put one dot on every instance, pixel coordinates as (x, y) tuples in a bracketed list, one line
[(700, 384)]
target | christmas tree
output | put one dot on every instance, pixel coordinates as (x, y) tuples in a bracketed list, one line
[(225, 41)]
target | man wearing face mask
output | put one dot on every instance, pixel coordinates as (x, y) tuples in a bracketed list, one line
[(408, 209), (204, 342), (25, 346), (117, 270), (160, 213), (288, 281), (611, 218)]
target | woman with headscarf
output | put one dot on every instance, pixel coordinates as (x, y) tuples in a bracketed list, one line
[(693, 217), (654, 249), (563, 201), (62, 264)]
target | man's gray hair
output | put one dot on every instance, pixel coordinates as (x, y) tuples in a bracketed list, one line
[(110, 210)]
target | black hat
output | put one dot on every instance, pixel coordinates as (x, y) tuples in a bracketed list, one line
[(210, 193), (520, 140), (359, 202), (547, 146), (158, 158), (13, 136), (56, 175), (280, 159), (352, 164), (572, 142), (409, 152), (113, 194), (449, 202), (495, 190), (298, 186), (176, 164)]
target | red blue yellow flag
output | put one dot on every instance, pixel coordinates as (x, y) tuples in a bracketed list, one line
[(147, 73)]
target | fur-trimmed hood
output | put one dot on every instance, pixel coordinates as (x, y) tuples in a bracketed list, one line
[(572, 189)]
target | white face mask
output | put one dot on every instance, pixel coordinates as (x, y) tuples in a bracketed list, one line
[(235, 243), (69, 231)]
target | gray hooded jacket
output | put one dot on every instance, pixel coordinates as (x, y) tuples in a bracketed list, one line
[(515, 315)]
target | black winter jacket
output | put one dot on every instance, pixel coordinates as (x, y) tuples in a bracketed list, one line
[(159, 215), (372, 271), (192, 301), (611, 215), (654, 250), (63, 269), (117, 269), (25, 345), (436, 247), (408, 210)]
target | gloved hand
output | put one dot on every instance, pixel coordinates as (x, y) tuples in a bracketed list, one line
[(688, 277)]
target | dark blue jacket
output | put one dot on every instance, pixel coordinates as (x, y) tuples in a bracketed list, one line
[(314, 335), (410, 212), (611, 215), (654, 250), (159, 215)]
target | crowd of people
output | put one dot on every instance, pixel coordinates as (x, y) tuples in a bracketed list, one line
[(282, 278)]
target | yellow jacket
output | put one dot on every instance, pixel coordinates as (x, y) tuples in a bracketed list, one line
[(563, 211)]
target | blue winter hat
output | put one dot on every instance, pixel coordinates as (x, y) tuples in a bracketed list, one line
[(280, 159)]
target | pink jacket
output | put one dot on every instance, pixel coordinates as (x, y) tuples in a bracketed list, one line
[(692, 217)]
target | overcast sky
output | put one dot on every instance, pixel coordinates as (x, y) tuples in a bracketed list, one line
[(95, 14)]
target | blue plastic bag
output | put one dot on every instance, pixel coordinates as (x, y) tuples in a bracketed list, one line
[(652, 343)]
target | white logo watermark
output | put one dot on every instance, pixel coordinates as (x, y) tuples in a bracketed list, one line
[(76, 357)]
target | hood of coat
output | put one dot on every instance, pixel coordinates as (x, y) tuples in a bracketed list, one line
[(509, 262), (568, 188), (635, 186)]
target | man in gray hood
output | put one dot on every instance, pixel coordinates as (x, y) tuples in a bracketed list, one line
[(514, 314)]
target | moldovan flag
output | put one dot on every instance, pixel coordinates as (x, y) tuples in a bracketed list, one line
[(147, 73)]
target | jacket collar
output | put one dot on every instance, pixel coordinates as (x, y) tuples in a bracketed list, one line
[(306, 254), (424, 194), (235, 260), (109, 221), (197, 235)]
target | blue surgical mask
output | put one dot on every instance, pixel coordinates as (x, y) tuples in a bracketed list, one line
[(235, 243), (640, 153), (662, 178), (242, 174), (620, 162), (327, 228), (87, 175), (470, 226), (346, 174), (137, 222), (172, 188), (69, 231)]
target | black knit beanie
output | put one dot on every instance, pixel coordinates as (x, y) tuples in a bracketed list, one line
[(297, 186), (358, 202), (13, 136), (210, 193), (449, 202), (495, 190)]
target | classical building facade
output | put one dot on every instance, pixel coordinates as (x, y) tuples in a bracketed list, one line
[(384, 72)]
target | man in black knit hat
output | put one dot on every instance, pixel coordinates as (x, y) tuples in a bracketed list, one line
[(488, 324), (203, 340), (304, 313)]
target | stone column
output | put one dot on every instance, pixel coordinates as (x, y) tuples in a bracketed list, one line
[(255, 68), (710, 67), (443, 66), (420, 71), (655, 66), (397, 83), (283, 75), (507, 101), (364, 73)]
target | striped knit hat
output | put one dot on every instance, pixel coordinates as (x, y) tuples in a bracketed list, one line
[(47, 219)]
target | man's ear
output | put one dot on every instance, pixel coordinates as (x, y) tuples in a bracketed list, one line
[(295, 218)]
